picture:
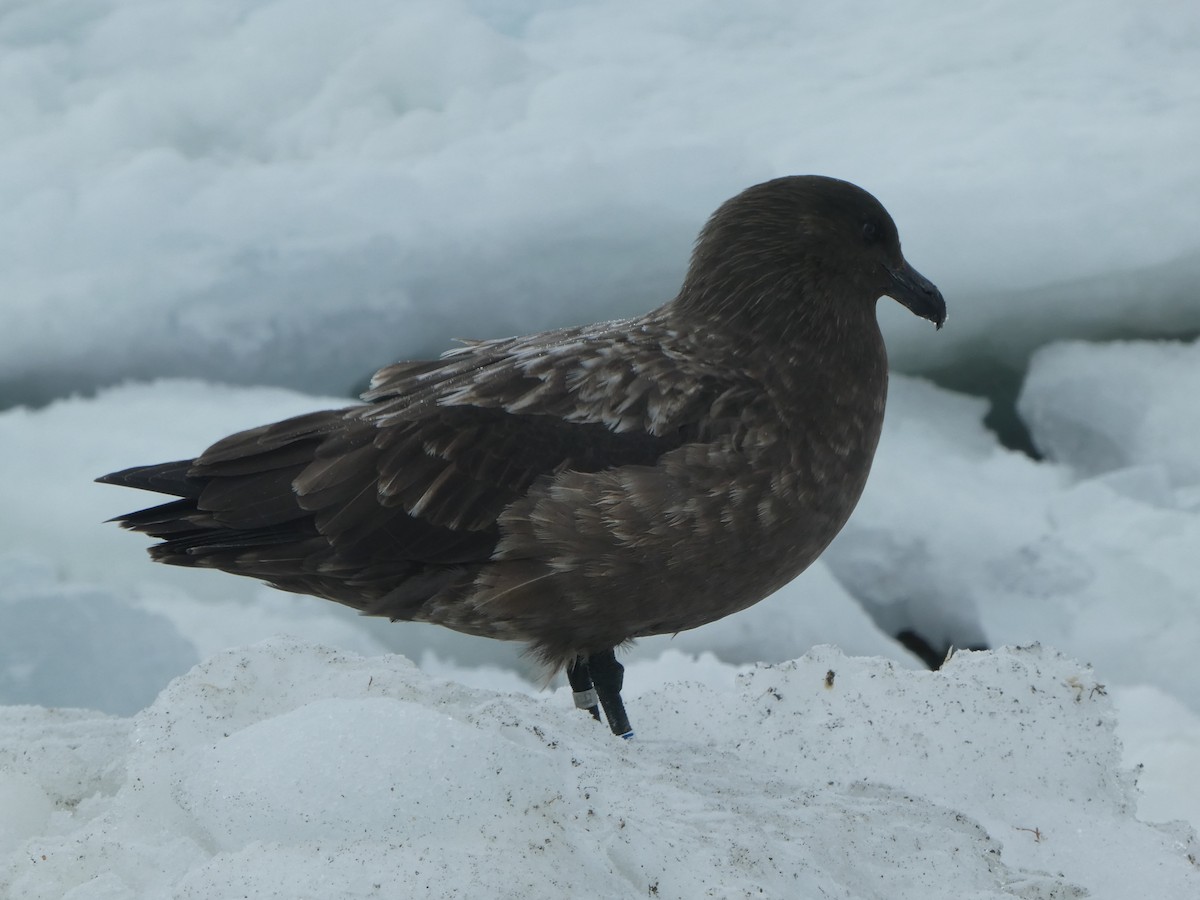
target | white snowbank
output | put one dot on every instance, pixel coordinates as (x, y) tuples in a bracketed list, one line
[(1162, 736), (52, 455), (1123, 407), (277, 191), (290, 770)]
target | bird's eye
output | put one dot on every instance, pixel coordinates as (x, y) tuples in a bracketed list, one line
[(871, 232)]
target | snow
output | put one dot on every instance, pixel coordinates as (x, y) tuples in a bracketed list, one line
[(275, 192), (1120, 406), (375, 177), (287, 769)]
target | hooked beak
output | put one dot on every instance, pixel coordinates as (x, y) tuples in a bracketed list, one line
[(918, 293)]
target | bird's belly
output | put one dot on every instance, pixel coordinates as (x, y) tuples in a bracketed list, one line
[(593, 560), (750, 557)]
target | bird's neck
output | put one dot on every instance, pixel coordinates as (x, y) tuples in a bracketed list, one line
[(782, 330), (803, 361)]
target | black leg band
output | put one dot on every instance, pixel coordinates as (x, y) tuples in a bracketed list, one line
[(608, 676)]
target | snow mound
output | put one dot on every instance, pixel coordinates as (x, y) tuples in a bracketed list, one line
[(291, 770), (1122, 405)]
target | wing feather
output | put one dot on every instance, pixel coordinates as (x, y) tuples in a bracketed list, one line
[(385, 505)]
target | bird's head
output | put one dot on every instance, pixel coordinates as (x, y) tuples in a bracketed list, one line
[(806, 246)]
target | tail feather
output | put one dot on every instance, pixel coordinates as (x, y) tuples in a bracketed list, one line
[(164, 520), (163, 478), (298, 504)]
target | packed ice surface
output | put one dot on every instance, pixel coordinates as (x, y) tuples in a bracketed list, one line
[(1124, 409), (290, 770), (278, 191)]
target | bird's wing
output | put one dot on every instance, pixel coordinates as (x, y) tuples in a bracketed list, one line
[(409, 487), (622, 375), (458, 440)]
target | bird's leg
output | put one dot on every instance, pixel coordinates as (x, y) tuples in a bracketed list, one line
[(609, 675), (581, 685)]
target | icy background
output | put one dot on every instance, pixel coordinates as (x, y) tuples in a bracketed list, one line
[(198, 199), (296, 192)]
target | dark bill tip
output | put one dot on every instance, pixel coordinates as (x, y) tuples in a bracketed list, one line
[(918, 293)]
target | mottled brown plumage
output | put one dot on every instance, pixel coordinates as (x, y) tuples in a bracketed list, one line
[(578, 488)]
